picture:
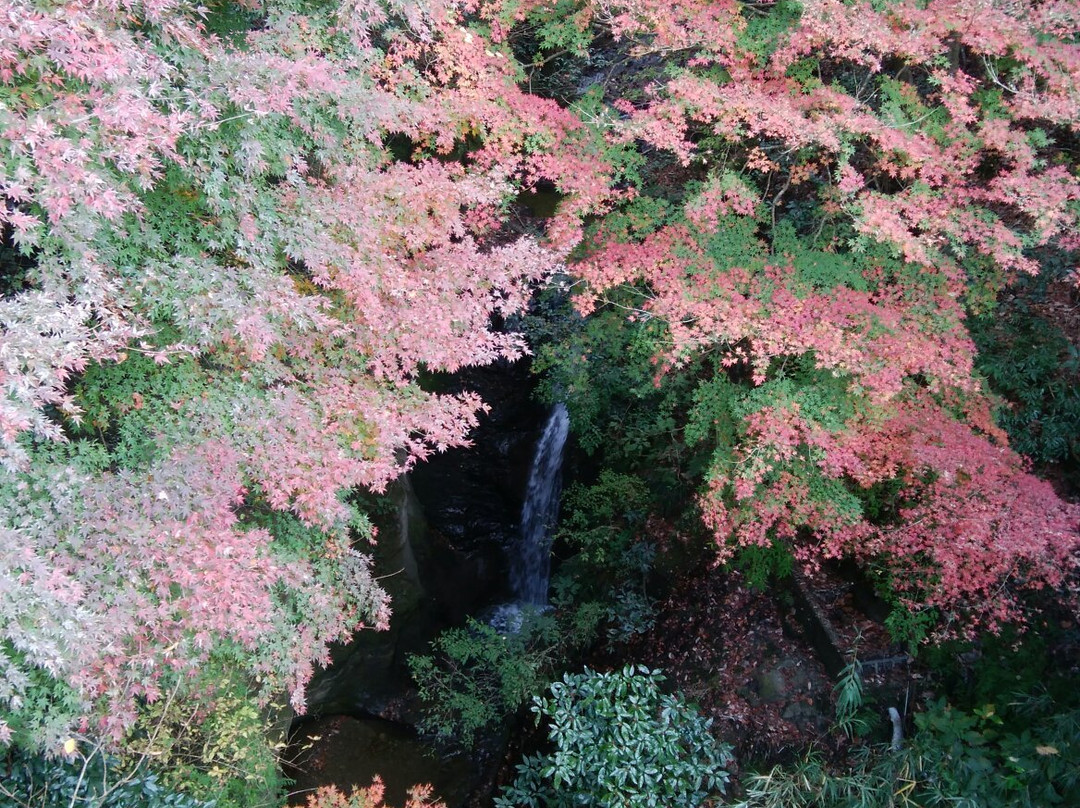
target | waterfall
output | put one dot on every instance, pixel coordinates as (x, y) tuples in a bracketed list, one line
[(530, 567)]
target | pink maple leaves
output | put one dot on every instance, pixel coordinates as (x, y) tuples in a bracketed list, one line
[(939, 162), (129, 580), (972, 528), (937, 148), (178, 195)]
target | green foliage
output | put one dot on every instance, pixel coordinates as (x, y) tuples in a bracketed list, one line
[(228, 19), (175, 216), (722, 406), (960, 759), (906, 625), (45, 708), (619, 742), (223, 757), (712, 417), (849, 698), (901, 106), (1029, 361), (720, 417), (550, 42), (765, 30), (479, 676), (636, 219), (133, 403), (881, 501), (817, 270), (30, 780), (605, 523), (631, 613), (559, 25), (733, 242), (603, 369), (1009, 748), (623, 412), (602, 519), (1025, 754), (762, 565), (811, 783), (14, 264), (994, 667), (1009, 733)]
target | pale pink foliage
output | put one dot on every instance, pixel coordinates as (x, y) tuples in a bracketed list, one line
[(113, 582), (120, 577), (946, 199)]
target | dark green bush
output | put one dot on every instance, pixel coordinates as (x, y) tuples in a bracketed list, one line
[(34, 781), (1029, 361), (619, 743)]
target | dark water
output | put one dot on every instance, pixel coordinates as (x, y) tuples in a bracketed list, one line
[(344, 752)]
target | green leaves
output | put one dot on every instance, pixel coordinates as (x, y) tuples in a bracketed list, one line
[(1029, 361), (849, 697), (818, 270), (104, 782), (479, 676), (619, 742), (768, 27)]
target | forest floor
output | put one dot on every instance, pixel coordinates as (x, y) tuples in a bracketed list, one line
[(1061, 306), (744, 656)]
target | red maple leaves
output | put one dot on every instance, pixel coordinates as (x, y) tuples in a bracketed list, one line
[(309, 211)]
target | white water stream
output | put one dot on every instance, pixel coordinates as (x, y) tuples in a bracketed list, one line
[(530, 567)]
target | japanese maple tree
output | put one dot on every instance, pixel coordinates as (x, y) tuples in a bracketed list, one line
[(862, 175), (234, 238)]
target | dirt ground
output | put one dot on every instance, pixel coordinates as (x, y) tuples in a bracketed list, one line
[(744, 657)]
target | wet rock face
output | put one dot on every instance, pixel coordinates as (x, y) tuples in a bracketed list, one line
[(442, 555), (472, 497)]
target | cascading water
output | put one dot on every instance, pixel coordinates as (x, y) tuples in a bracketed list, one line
[(530, 568)]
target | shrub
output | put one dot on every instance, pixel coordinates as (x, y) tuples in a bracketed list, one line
[(1030, 362), (35, 780), (478, 676), (620, 741)]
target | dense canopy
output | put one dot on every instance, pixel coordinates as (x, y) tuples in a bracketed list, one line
[(237, 238)]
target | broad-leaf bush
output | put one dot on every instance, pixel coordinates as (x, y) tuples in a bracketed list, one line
[(619, 740), (30, 780)]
